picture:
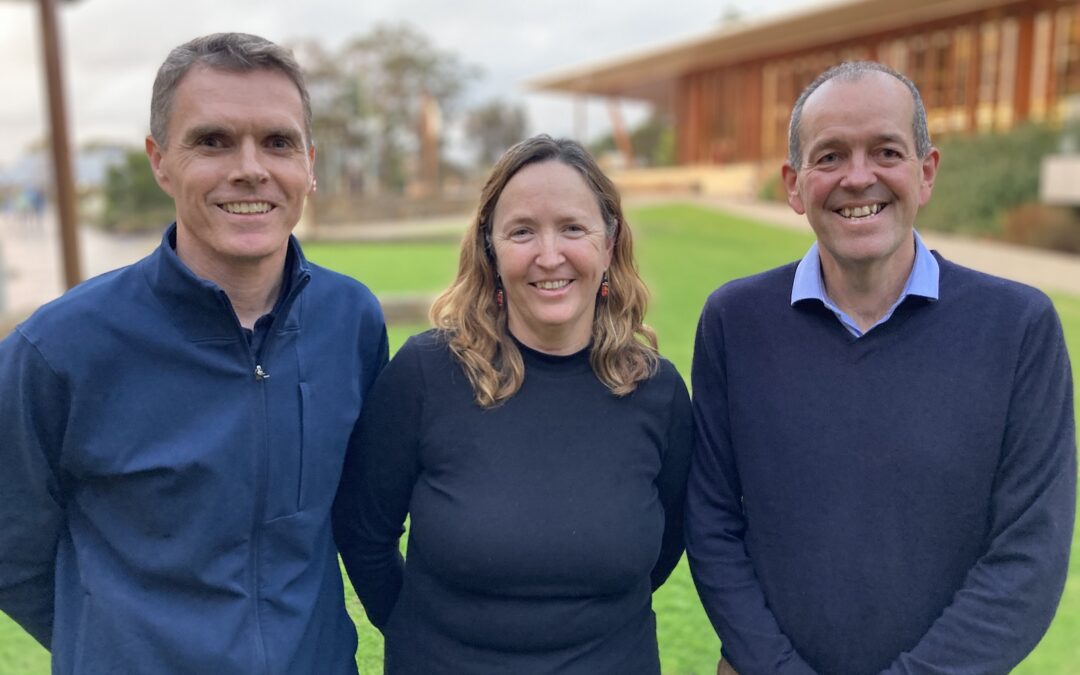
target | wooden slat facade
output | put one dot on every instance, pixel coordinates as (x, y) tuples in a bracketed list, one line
[(980, 71)]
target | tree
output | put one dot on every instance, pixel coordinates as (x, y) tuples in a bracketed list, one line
[(367, 97), (653, 142), (133, 200), (493, 127)]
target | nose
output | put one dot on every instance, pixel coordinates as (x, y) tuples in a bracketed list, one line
[(859, 173), (249, 167), (550, 253)]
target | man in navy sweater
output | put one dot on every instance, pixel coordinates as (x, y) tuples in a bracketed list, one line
[(172, 433), (885, 472)]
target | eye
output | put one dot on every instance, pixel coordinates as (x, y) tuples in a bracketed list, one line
[(210, 141), (891, 153), (829, 158), (576, 229), (519, 233), (280, 143)]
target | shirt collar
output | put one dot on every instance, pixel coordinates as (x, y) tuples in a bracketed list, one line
[(923, 280)]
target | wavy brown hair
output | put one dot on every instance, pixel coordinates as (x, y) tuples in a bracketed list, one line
[(623, 350)]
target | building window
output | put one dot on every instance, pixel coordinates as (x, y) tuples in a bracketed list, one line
[(1067, 49), (1010, 38), (1041, 72), (989, 48), (963, 52)]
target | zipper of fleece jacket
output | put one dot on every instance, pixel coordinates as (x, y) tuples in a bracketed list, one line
[(261, 373), (262, 478), (259, 376)]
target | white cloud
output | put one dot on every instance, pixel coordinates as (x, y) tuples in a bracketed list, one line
[(113, 47)]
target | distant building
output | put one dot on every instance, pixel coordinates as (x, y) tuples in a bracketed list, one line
[(980, 65), (90, 167)]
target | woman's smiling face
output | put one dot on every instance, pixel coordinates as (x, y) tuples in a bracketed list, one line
[(551, 250)]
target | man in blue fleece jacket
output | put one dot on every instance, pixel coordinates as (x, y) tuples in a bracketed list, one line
[(172, 433), (885, 472)]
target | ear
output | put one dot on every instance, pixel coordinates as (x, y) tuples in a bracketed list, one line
[(929, 173), (791, 187), (311, 168), (153, 151)]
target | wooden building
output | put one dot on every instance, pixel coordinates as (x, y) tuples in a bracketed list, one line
[(980, 65)]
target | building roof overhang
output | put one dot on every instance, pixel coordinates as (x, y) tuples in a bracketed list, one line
[(650, 74)]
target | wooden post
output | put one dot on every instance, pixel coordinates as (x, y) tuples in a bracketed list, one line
[(619, 132), (1025, 54), (65, 183), (581, 115)]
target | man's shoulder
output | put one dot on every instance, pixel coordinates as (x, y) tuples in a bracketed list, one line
[(767, 287), (974, 289), (331, 286), (79, 310)]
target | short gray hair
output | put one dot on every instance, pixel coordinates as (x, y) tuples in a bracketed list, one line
[(850, 71), (237, 52)]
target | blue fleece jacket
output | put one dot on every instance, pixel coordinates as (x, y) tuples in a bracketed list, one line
[(898, 503), (165, 509)]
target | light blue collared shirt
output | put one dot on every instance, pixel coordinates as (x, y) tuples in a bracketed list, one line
[(808, 285)]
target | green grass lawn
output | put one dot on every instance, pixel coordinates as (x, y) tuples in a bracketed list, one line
[(684, 253)]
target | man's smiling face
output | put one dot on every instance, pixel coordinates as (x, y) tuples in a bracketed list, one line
[(237, 164), (860, 182)]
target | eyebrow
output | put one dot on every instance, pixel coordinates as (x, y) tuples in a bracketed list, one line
[(284, 132), (518, 220), (834, 141), (203, 130), (563, 219)]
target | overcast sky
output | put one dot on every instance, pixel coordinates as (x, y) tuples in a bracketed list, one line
[(112, 48)]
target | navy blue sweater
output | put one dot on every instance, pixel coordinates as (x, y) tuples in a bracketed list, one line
[(538, 528), (902, 502)]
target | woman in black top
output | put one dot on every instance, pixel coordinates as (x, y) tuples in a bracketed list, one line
[(535, 438)]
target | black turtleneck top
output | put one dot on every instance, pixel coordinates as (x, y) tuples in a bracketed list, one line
[(538, 529)]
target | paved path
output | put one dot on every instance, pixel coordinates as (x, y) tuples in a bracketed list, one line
[(30, 268), (30, 259), (1047, 270)]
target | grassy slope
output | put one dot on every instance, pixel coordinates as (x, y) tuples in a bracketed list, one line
[(684, 253)]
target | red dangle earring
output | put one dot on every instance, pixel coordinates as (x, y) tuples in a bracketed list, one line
[(604, 288), (499, 299)]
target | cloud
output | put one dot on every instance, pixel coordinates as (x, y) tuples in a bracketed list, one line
[(112, 48)]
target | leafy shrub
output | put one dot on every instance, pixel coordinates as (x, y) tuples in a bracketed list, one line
[(772, 189), (653, 142), (1052, 227), (982, 176)]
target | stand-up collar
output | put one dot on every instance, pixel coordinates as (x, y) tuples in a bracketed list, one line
[(200, 308)]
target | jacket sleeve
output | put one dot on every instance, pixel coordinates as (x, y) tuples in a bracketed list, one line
[(1009, 597), (378, 355), (33, 414), (671, 483), (381, 467), (715, 524)]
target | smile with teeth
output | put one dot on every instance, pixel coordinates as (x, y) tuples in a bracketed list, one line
[(246, 207), (552, 285), (860, 211)]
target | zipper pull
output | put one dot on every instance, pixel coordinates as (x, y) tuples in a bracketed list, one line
[(261, 374)]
